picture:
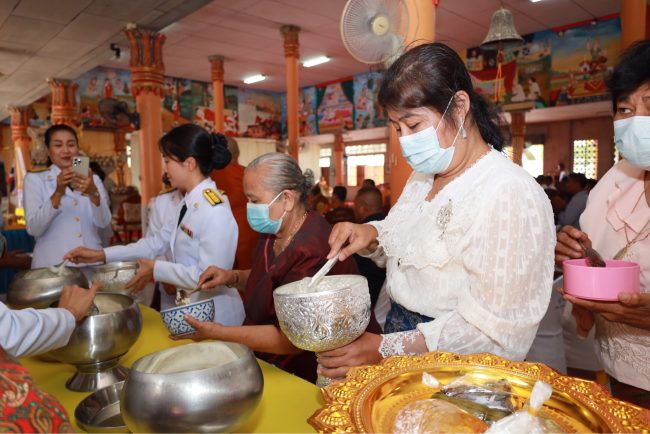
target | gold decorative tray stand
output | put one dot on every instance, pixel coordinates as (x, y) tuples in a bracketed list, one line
[(370, 396)]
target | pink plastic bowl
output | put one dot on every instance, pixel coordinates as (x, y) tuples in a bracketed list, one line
[(600, 283)]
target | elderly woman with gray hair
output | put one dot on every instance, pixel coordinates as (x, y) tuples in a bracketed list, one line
[(292, 245)]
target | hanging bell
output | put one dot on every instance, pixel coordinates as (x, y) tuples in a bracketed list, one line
[(502, 31)]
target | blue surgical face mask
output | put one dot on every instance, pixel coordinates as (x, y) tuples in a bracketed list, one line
[(259, 219), (423, 152), (632, 139)]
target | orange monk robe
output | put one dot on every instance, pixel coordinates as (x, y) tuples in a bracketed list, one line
[(231, 180)]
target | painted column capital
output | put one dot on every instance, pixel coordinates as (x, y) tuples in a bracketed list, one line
[(64, 102), (216, 63), (291, 44), (146, 62)]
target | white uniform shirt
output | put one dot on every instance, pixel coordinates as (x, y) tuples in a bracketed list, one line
[(29, 331), (478, 258), (164, 207), (206, 236), (57, 231)]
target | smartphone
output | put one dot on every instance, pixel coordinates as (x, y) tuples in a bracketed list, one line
[(81, 165)]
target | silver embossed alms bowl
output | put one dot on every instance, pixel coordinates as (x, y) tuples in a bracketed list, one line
[(115, 275), (40, 287), (333, 314), (198, 387)]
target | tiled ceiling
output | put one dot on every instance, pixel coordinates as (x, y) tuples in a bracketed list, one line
[(65, 38), (247, 33)]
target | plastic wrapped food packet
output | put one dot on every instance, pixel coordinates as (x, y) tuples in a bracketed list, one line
[(495, 395), (434, 416), (526, 420)]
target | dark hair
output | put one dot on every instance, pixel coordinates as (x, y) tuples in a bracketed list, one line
[(370, 197), (429, 75), (580, 178), (97, 169), (631, 72), (59, 127), (340, 192), (189, 140), (369, 182)]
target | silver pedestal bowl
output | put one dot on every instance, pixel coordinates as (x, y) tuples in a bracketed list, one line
[(99, 341), (40, 288), (199, 387), (114, 275), (333, 316)]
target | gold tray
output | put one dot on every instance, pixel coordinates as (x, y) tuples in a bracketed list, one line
[(370, 396)]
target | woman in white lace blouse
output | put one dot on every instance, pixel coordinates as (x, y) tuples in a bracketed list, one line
[(469, 245)]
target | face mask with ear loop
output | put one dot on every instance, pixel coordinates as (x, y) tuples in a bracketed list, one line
[(259, 218), (422, 149)]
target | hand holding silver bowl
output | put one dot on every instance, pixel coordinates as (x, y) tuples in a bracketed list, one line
[(115, 275), (99, 341), (331, 315)]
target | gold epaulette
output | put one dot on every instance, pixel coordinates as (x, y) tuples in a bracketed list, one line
[(38, 169), (212, 197)]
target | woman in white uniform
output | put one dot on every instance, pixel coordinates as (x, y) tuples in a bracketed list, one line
[(203, 232), (163, 208), (63, 209)]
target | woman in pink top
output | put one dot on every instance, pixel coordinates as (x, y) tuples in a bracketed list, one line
[(616, 222)]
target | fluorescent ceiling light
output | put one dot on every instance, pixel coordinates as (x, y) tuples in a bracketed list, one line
[(315, 61), (535, 1), (254, 79)]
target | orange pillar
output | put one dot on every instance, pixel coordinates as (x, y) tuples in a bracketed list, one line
[(633, 22), (22, 159), (339, 151), (420, 31), (64, 102), (216, 63), (518, 127), (148, 70), (291, 54)]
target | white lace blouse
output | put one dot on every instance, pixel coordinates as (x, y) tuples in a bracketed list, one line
[(478, 258)]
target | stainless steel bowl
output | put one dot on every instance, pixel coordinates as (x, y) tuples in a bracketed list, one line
[(191, 397), (100, 412), (98, 342), (114, 275), (40, 287), (334, 316)]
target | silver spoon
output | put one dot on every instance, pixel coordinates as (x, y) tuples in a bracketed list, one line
[(323, 271), (57, 269), (592, 257), (183, 296)]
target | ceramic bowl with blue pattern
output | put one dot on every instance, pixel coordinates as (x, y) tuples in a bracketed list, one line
[(173, 318)]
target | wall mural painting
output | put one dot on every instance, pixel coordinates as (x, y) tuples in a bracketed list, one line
[(307, 114), (100, 83), (550, 68), (335, 102), (177, 102), (260, 114), (367, 111)]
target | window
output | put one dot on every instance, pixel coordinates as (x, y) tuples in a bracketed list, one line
[(365, 162), (365, 149), (324, 162), (532, 160), (362, 167), (585, 157)]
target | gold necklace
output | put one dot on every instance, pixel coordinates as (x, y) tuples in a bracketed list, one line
[(295, 228), (621, 253)]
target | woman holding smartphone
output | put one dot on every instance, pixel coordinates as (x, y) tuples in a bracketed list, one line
[(64, 208)]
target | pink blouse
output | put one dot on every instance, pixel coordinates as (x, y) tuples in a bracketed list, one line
[(617, 213)]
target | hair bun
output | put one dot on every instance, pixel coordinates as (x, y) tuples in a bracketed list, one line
[(220, 154)]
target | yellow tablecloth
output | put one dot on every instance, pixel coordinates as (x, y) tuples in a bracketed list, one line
[(286, 404)]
